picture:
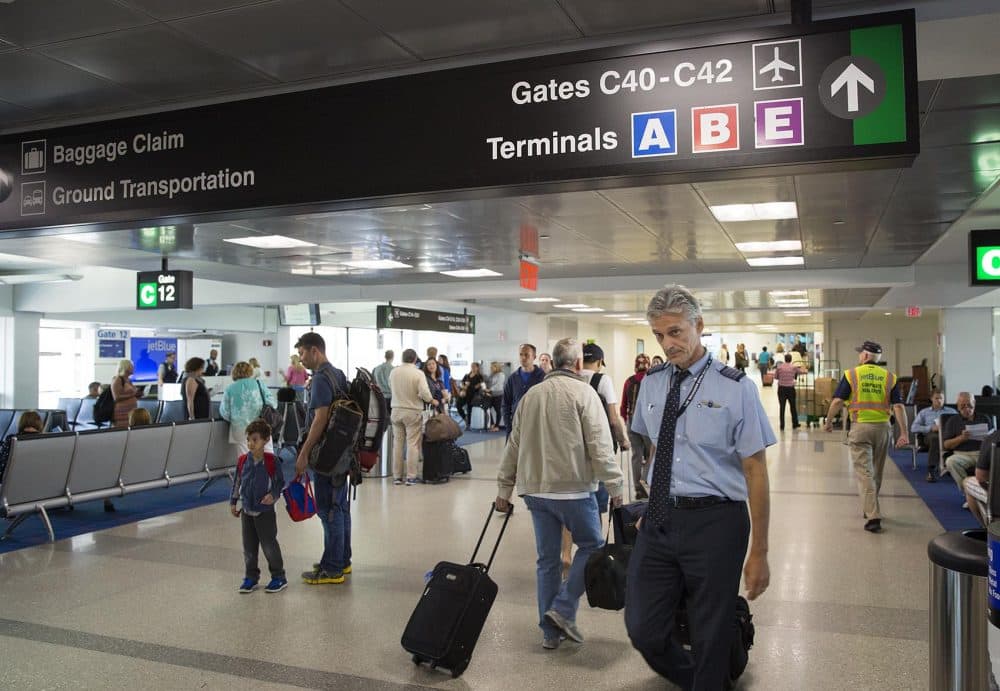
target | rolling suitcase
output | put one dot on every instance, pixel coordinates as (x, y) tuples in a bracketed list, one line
[(460, 462), (445, 626), (437, 466), (767, 379)]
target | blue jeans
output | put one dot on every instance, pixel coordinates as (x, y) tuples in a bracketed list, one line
[(334, 511), (584, 523)]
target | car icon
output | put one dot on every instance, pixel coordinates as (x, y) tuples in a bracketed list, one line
[(34, 199)]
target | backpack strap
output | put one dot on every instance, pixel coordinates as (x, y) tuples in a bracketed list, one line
[(239, 466), (269, 464)]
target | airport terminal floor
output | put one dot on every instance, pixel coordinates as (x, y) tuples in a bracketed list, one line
[(154, 604)]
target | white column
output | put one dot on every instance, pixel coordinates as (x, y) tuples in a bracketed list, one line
[(22, 366), (967, 350)]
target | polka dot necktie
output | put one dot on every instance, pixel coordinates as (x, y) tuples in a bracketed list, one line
[(659, 490)]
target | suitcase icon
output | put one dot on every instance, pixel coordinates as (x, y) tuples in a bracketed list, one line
[(34, 159)]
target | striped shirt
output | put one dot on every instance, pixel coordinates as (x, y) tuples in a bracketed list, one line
[(786, 373)]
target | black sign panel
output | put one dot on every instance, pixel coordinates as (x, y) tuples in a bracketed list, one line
[(164, 290), (393, 317), (833, 93), (984, 257)]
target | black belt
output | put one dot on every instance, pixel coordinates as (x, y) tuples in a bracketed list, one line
[(696, 502)]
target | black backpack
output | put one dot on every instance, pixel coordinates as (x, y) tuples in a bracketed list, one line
[(104, 407), (334, 454), (595, 380), (370, 398)]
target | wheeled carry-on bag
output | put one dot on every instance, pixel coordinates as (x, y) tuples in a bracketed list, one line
[(447, 621), (438, 461)]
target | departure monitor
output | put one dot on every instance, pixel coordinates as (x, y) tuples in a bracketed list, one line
[(299, 315)]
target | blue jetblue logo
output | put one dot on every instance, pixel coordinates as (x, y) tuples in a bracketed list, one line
[(654, 133)]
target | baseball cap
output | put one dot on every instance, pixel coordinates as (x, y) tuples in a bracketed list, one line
[(870, 347), (592, 353)]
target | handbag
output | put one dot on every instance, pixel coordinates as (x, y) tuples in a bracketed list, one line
[(269, 415), (605, 573), (299, 498), (441, 427)]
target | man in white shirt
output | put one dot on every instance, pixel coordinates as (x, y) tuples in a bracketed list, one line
[(925, 424)]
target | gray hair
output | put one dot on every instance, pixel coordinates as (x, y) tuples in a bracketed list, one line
[(674, 299), (566, 353)]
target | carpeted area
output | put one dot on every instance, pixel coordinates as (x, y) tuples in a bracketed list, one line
[(943, 497), (91, 516)]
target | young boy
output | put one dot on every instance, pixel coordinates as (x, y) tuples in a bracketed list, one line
[(257, 486)]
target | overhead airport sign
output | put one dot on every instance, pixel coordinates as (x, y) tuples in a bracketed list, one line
[(830, 95), (394, 317), (984, 257), (164, 290)]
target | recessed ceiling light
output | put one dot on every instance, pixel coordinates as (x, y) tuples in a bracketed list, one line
[(776, 246), (888, 314), (571, 305), (539, 299), (270, 242), (775, 261), (617, 316), (470, 273), (802, 313), (792, 302), (767, 211), (377, 264), (781, 293), (587, 309), (766, 326)]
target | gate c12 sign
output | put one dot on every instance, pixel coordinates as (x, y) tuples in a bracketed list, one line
[(164, 290), (984, 257)]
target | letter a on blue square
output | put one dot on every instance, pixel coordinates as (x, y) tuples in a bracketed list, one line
[(654, 133)]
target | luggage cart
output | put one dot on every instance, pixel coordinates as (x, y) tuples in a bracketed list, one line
[(827, 375), (805, 399)]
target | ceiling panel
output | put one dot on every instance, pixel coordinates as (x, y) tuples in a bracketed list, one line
[(157, 62), (173, 9), (600, 17), (968, 92), (965, 126), (38, 82), (293, 40), (453, 27), (46, 21)]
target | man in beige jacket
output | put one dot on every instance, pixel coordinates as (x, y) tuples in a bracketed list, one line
[(409, 394), (559, 449)]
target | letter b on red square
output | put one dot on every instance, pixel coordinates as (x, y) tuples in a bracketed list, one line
[(715, 128)]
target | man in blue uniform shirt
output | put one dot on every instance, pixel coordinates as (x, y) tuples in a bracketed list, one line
[(709, 437)]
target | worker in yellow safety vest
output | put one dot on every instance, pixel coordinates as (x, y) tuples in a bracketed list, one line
[(872, 392)]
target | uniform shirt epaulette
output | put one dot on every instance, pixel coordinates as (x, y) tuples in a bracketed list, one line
[(732, 373), (657, 368)]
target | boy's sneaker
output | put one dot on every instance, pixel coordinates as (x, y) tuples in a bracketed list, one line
[(276, 585), (398, 481), (248, 586), (410, 481), (551, 643), (346, 571), (323, 578), (565, 625)]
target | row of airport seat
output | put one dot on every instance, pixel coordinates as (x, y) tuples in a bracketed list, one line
[(51, 420), (80, 411), (61, 469)]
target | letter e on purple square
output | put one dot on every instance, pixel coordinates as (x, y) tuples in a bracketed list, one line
[(778, 123)]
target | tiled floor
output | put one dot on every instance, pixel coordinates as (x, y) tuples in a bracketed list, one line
[(153, 605)]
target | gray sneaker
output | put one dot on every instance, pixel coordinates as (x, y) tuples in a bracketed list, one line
[(551, 643), (565, 625)]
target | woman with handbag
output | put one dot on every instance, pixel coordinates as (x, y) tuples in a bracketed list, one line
[(471, 385), (243, 402), (435, 382)]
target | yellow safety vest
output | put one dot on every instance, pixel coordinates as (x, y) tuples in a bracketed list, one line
[(871, 387)]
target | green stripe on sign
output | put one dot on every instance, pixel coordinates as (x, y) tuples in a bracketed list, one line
[(884, 45)]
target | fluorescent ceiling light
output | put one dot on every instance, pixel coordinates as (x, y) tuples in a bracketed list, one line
[(587, 309), (775, 261), (803, 302), (617, 316), (270, 242), (766, 326), (539, 299), (802, 313), (786, 293), (767, 211), (470, 273), (14, 279), (776, 246), (571, 305), (377, 264)]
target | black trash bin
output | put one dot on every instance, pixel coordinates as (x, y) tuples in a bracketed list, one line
[(959, 657)]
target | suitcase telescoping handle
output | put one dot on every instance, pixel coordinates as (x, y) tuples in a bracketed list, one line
[(493, 509)]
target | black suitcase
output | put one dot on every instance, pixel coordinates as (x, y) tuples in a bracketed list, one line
[(437, 461), (447, 621)]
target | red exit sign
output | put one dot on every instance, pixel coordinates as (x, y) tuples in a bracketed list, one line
[(912, 311)]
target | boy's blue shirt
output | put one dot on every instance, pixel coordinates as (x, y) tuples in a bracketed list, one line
[(253, 483)]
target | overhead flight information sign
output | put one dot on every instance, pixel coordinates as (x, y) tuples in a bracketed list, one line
[(984, 257), (830, 95), (393, 317)]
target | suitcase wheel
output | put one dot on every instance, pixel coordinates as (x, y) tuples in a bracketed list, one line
[(416, 660)]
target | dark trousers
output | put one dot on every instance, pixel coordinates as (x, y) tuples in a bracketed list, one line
[(697, 553), (787, 394), (495, 404), (261, 532)]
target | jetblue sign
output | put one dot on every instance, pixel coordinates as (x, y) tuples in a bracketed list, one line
[(832, 95)]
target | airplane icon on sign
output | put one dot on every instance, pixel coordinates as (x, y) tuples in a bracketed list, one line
[(776, 66)]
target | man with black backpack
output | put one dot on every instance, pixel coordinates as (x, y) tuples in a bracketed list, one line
[(332, 505)]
